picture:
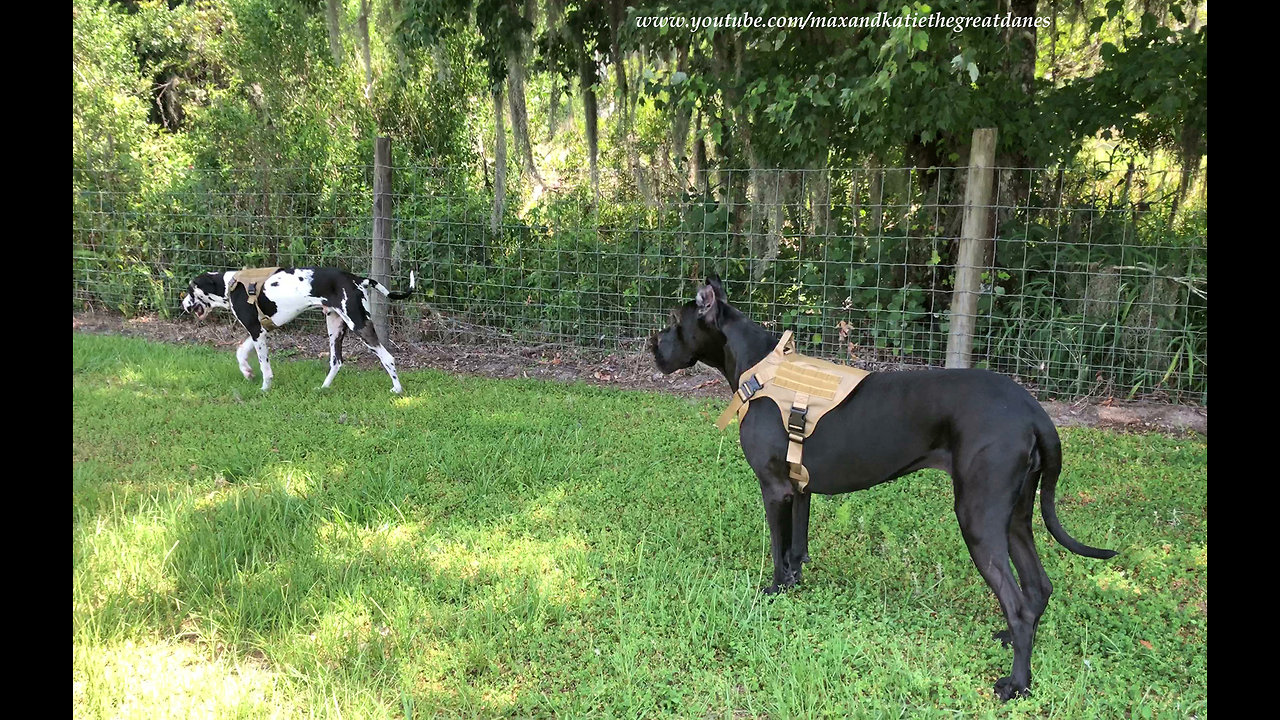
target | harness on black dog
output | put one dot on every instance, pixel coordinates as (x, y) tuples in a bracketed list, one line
[(253, 279), (804, 388)]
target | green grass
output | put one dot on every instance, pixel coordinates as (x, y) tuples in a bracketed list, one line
[(520, 548)]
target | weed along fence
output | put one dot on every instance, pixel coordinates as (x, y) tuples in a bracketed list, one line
[(1071, 281)]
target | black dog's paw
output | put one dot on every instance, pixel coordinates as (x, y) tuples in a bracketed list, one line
[(1007, 689), (805, 559), (779, 588), (1005, 638)]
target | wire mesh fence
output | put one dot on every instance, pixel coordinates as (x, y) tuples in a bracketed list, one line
[(1089, 287)]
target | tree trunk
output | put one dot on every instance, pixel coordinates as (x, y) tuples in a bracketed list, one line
[(553, 112), (590, 114), (617, 12), (1021, 68), (556, 28), (875, 201), (520, 116), (732, 155), (362, 23), (766, 237), (683, 115), (818, 187), (335, 30), (698, 161), (855, 201), (499, 160)]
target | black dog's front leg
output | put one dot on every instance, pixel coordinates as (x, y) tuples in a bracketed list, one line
[(799, 551), (778, 502)]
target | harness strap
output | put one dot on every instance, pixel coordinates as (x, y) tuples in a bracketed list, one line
[(795, 440), (253, 280), (805, 389), (756, 378), (729, 412)]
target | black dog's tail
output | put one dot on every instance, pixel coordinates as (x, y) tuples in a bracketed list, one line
[(1051, 465), (370, 282)]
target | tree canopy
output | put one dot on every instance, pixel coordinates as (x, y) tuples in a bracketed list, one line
[(227, 83)]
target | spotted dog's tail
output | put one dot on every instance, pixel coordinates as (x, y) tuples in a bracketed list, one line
[(366, 283)]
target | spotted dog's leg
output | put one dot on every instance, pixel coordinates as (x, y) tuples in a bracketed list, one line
[(247, 314), (242, 357), (337, 331), (359, 320), (369, 337), (260, 343)]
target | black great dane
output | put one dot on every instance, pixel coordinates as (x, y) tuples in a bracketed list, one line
[(989, 434), (283, 295)]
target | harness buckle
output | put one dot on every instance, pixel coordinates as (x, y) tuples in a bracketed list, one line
[(795, 423), (750, 387)]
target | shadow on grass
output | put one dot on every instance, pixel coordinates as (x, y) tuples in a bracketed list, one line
[(551, 550), (347, 585)]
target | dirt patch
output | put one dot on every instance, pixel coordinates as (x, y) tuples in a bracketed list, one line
[(1131, 416), (631, 368)]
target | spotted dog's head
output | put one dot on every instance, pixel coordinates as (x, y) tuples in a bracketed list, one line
[(693, 333), (206, 292)]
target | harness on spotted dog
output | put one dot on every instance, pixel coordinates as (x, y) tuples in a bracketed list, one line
[(804, 388), (253, 280)]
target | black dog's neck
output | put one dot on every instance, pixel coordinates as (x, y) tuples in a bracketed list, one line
[(746, 343)]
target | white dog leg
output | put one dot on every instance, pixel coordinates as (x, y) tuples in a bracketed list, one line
[(388, 364), (263, 363), (337, 329), (242, 357)]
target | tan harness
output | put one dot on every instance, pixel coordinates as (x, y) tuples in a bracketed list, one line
[(253, 279), (804, 388)]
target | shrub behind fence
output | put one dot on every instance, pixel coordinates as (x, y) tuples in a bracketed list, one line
[(1087, 288)]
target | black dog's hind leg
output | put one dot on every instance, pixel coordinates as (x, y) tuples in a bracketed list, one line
[(985, 515), (1036, 587)]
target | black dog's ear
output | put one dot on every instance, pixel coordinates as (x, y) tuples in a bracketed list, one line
[(708, 304), (714, 281)]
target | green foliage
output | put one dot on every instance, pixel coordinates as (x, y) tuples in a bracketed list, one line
[(840, 95), (223, 133)]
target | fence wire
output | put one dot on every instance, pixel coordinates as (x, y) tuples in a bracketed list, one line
[(1090, 287)]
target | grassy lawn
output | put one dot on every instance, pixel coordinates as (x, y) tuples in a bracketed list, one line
[(519, 548)]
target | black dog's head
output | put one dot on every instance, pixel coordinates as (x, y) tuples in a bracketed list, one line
[(694, 331), (206, 292)]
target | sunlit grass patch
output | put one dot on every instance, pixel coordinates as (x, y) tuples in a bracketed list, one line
[(517, 548), (175, 680)]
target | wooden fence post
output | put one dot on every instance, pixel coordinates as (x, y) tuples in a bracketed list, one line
[(974, 233), (382, 211)]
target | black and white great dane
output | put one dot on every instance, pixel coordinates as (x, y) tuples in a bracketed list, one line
[(285, 294), (988, 433)]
